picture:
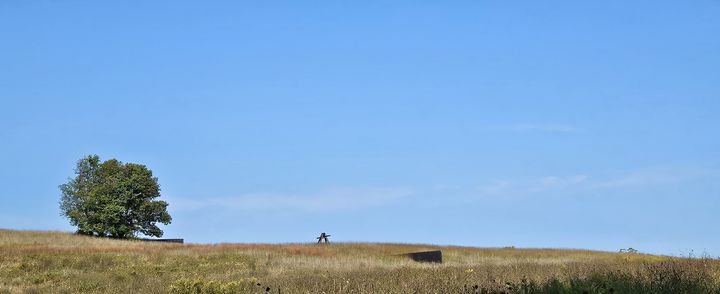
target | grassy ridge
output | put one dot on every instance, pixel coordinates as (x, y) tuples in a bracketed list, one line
[(66, 263)]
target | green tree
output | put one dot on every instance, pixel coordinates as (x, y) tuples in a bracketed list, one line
[(113, 199)]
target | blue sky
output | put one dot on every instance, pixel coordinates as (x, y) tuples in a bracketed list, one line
[(571, 124)]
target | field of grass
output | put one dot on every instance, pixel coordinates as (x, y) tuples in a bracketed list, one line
[(53, 262)]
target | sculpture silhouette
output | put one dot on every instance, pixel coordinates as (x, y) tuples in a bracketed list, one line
[(322, 237)]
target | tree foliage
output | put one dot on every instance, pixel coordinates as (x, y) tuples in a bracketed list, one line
[(113, 199)]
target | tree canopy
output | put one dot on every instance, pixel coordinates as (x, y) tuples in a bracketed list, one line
[(113, 199)]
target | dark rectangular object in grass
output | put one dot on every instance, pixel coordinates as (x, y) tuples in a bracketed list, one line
[(165, 240), (426, 256)]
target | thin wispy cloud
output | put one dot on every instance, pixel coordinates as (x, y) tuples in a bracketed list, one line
[(551, 182), (531, 186), (551, 128), (655, 177), (347, 199), (336, 199), (496, 187), (635, 179)]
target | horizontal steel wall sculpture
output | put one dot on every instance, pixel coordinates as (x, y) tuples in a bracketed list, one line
[(425, 256), (165, 240)]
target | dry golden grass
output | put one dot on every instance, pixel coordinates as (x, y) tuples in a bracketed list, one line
[(67, 263)]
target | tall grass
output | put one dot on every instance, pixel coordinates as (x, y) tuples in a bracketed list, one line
[(53, 262)]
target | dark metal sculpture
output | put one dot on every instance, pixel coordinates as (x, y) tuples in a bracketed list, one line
[(426, 256), (323, 237), (165, 240)]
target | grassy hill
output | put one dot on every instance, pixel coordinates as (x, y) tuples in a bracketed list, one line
[(32, 261)]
